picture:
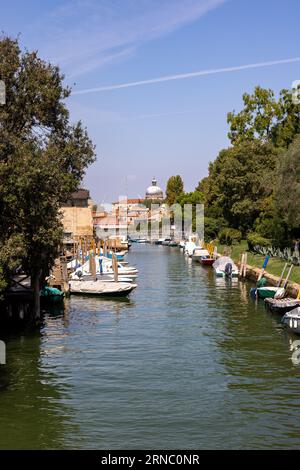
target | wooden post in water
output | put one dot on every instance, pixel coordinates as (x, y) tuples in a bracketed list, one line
[(64, 274), (93, 265), (115, 267), (245, 265), (242, 265)]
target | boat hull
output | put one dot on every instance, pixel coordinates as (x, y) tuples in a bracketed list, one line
[(292, 320), (266, 292), (101, 288), (281, 306), (207, 261)]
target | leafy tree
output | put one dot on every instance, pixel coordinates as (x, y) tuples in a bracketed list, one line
[(42, 161), (265, 119), (175, 189), (287, 194), (240, 183), (212, 227)]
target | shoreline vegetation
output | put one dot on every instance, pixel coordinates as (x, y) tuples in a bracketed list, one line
[(252, 191), (275, 265)]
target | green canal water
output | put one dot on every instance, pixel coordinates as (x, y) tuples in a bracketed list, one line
[(188, 361)]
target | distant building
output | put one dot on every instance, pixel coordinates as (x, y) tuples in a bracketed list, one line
[(154, 192), (77, 216)]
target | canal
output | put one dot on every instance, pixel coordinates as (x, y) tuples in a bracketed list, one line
[(188, 361)]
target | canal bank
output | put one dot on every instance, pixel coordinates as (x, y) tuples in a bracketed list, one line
[(188, 361)]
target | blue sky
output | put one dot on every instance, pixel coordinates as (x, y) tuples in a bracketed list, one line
[(169, 127)]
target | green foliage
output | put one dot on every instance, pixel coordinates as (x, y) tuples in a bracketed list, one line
[(229, 236), (43, 158), (265, 119), (195, 197), (287, 194), (240, 183), (254, 240), (212, 227), (175, 189)]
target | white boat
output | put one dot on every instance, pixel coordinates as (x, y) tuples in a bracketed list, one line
[(103, 266), (182, 244), (225, 267), (104, 277), (101, 288), (191, 245), (142, 240), (292, 320), (199, 253)]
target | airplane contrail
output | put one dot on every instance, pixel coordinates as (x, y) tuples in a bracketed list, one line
[(182, 76)]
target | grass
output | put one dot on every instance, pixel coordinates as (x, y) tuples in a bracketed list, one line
[(275, 265)]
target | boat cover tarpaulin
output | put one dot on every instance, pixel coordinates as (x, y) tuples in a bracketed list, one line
[(221, 262)]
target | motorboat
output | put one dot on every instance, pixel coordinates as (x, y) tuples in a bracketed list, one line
[(182, 244), (142, 240), (103, 266), (207, 260), (292, 320), (225, 267), (281, 306), (101, 288), (199, 253), (120, 255), (173, 243)]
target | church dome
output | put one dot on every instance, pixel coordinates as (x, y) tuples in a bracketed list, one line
[(154, 191)]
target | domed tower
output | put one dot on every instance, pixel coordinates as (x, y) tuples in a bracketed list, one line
[(154, 192)]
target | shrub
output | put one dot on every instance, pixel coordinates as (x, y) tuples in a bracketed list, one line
[(229, 236), (256, 240), (211, 228)]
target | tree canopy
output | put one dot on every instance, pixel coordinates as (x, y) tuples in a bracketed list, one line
[(266, 119), (175, 189), (245, 188), (43, 157), (287, 193)]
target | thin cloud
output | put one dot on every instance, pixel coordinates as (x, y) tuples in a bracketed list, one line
[(84, 35), (183, 76)]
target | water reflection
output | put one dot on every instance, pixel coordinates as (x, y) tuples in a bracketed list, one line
[(31, 412), (188, 361)]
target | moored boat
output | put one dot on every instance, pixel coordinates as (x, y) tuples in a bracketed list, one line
[(207, 261), (267, 292), (199, 253), (182, 244), (120, 256), (101, 288), (103, 266), (225, 267), (51, 295), (282, 306), (292, 320)]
